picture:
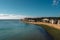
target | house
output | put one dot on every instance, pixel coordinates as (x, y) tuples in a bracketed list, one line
[(52, 21), (58, 22), (45, 20), (31, 20)]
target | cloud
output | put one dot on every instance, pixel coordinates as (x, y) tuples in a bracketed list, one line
[(11, 16), (56, 2)]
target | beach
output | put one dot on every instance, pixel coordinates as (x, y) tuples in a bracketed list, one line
[(52, 29), (56, 26)]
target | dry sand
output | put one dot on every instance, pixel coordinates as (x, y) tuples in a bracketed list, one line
[(56, 26)]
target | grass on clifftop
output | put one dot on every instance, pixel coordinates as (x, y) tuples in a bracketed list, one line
[(55, 33)]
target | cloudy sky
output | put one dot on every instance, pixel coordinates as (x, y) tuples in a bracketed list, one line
[(30, 7), (11, 16)]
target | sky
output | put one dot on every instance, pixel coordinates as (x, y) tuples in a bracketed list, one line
[(11, 16), (35, 8)]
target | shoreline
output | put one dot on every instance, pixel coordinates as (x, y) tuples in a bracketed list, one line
[(56, 26), (53, 31)]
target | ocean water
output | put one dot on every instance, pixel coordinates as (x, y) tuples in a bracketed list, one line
[(17, 30)]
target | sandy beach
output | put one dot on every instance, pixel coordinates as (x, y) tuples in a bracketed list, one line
[(56, 26)]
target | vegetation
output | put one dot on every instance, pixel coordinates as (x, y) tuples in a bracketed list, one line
[(55, 33), (40, 19)]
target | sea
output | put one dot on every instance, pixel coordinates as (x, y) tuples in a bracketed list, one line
[(18, 30)]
